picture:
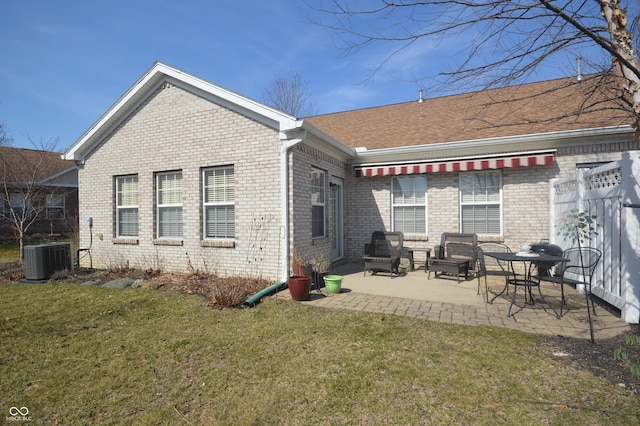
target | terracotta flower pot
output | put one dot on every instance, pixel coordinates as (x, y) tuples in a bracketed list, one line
[(299, 287)]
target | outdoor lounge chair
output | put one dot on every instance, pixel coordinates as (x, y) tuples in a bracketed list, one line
[(455, 255), (383, 252)]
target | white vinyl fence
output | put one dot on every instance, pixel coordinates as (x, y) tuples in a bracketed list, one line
[(612, 193)]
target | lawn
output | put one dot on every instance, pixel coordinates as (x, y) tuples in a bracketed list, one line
[(74, 354), (9, 251)]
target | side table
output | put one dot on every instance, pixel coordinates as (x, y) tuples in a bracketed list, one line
[(415, 264)]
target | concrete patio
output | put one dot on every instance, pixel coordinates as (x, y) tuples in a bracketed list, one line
[(443, 299)]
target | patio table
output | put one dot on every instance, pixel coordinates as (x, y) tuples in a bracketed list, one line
[(526, 280)]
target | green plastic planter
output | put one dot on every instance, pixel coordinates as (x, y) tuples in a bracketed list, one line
[(333, 283)]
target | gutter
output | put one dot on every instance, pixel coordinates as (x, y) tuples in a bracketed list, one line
[(347, 152), (362, 154), (284, 197)]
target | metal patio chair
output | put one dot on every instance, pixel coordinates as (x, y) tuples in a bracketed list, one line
[(578, 271), (490, 266)]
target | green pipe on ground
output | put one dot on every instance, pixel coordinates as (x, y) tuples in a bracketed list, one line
[(253, 300)]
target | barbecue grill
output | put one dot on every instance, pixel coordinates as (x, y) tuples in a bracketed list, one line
[(552, 249)]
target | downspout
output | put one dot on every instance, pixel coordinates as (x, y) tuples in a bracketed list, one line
[(284, 197)]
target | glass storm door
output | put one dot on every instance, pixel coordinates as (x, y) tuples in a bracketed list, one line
[(337, 234)]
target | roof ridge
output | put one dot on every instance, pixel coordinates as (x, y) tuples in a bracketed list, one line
[(453, 95)]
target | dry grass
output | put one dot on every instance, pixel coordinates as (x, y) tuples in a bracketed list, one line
[(218, 292), (89, 355)]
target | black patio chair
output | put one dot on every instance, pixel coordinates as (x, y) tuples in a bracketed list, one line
[(578, 271), (383, 253), (490, 266)]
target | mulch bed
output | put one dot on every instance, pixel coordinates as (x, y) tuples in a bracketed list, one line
[(598, 358)]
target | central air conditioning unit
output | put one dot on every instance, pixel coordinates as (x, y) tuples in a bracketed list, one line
[(43, 260)]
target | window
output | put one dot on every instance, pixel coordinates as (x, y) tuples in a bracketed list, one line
[(318, 180), (169, 204), (480, 203), (127, 206), (218, 197), (55, 206), (409, 200), (20, 206)]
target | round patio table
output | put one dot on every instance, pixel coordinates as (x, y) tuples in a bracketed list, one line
[(526, 280)]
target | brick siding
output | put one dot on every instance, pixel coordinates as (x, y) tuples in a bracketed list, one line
[(177, 130), (525, 199)]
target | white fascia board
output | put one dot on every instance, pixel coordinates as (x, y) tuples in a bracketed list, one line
[(73, 152), (62, 173), (155, 76), (232, 99), (491, 144), (346, 152)]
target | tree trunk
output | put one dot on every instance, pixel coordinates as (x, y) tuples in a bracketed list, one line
[(622, 42), (21, 239)]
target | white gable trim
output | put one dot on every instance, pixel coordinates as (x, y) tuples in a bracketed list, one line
[(61, 173), (159, 74)]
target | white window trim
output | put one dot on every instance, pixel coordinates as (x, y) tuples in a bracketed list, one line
[(168, 205), (62, 207), (123, 207), (426, 211), (213, 203), (500, 202), (322, 204)]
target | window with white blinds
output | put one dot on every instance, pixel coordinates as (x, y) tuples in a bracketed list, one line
[(481, 202), (169, 204), (409, 204), (127, 206), (318, 214), (55, 206), (218, 196)]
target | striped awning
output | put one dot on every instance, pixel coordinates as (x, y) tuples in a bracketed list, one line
[(457, 165)]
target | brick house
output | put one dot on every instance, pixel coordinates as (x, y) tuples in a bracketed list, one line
[(42, 183), (180, 173)]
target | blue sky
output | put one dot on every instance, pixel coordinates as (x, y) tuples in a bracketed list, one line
[(64, 62)]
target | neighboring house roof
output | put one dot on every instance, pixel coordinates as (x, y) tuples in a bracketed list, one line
[(536, 108), (30, 165)]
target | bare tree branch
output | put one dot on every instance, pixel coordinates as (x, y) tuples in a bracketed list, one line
[(290, 95), (24, 190), (500, 42), (5, 138)]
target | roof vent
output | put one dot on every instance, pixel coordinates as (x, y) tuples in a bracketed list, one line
[(579, 77), (421, 95)]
